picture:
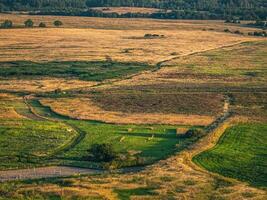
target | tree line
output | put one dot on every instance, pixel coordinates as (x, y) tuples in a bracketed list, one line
[(180, 9), (29, 24)]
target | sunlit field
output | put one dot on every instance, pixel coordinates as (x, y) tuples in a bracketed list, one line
[(144, 108)]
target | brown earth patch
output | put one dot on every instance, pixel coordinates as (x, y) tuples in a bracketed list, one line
[(165, 103)]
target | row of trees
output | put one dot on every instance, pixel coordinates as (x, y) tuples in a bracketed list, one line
[(175, 14), (218, 9), (29, 24)]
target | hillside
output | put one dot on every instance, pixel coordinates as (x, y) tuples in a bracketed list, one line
[(181, 9)]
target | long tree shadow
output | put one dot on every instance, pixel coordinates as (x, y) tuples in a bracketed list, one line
[(148, 135)]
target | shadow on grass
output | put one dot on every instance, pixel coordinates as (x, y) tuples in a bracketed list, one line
[(125, 194)]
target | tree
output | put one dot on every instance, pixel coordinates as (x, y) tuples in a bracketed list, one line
[(102, 153), (42, 25), (7, 24), (58, 23), (29, 23)]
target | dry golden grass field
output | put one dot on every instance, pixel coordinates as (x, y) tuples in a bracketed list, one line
[(196, 74), (96, 44)]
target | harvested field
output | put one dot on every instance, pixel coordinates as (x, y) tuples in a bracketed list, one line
[(84, 108)]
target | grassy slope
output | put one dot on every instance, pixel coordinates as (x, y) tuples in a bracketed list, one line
[(240, 153)]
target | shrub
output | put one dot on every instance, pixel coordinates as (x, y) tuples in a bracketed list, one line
[(261, 34), (227, 30), (58, 23), (150, 36), (57, 91), (102, 153), (7, 24), (234, 21), (42, 25), (29, 23), (238, 32), (193, 133)]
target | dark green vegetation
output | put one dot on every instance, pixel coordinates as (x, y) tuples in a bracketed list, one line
[(187, 9), (28, 23), (101, 152), (7, 24), (240, 153), (58, 23), (90, 71)]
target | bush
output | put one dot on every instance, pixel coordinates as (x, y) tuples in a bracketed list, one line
[(234, 21), (238, 32), (193, 133), (58, 23), (42, 25), (7, 24), (151, 36), (28, 23), (260, 34), (102, 153)]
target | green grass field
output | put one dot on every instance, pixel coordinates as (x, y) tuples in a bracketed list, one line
[(59, 140), (25, 143), (89, 71), (240, 153), (153, 142)]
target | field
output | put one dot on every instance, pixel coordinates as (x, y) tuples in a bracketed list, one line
[(123, 10), (89, 111), (240, 153), (59, 136), (184, 110), (26, 143)]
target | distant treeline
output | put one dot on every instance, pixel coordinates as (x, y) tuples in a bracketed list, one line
[(181, 9)]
